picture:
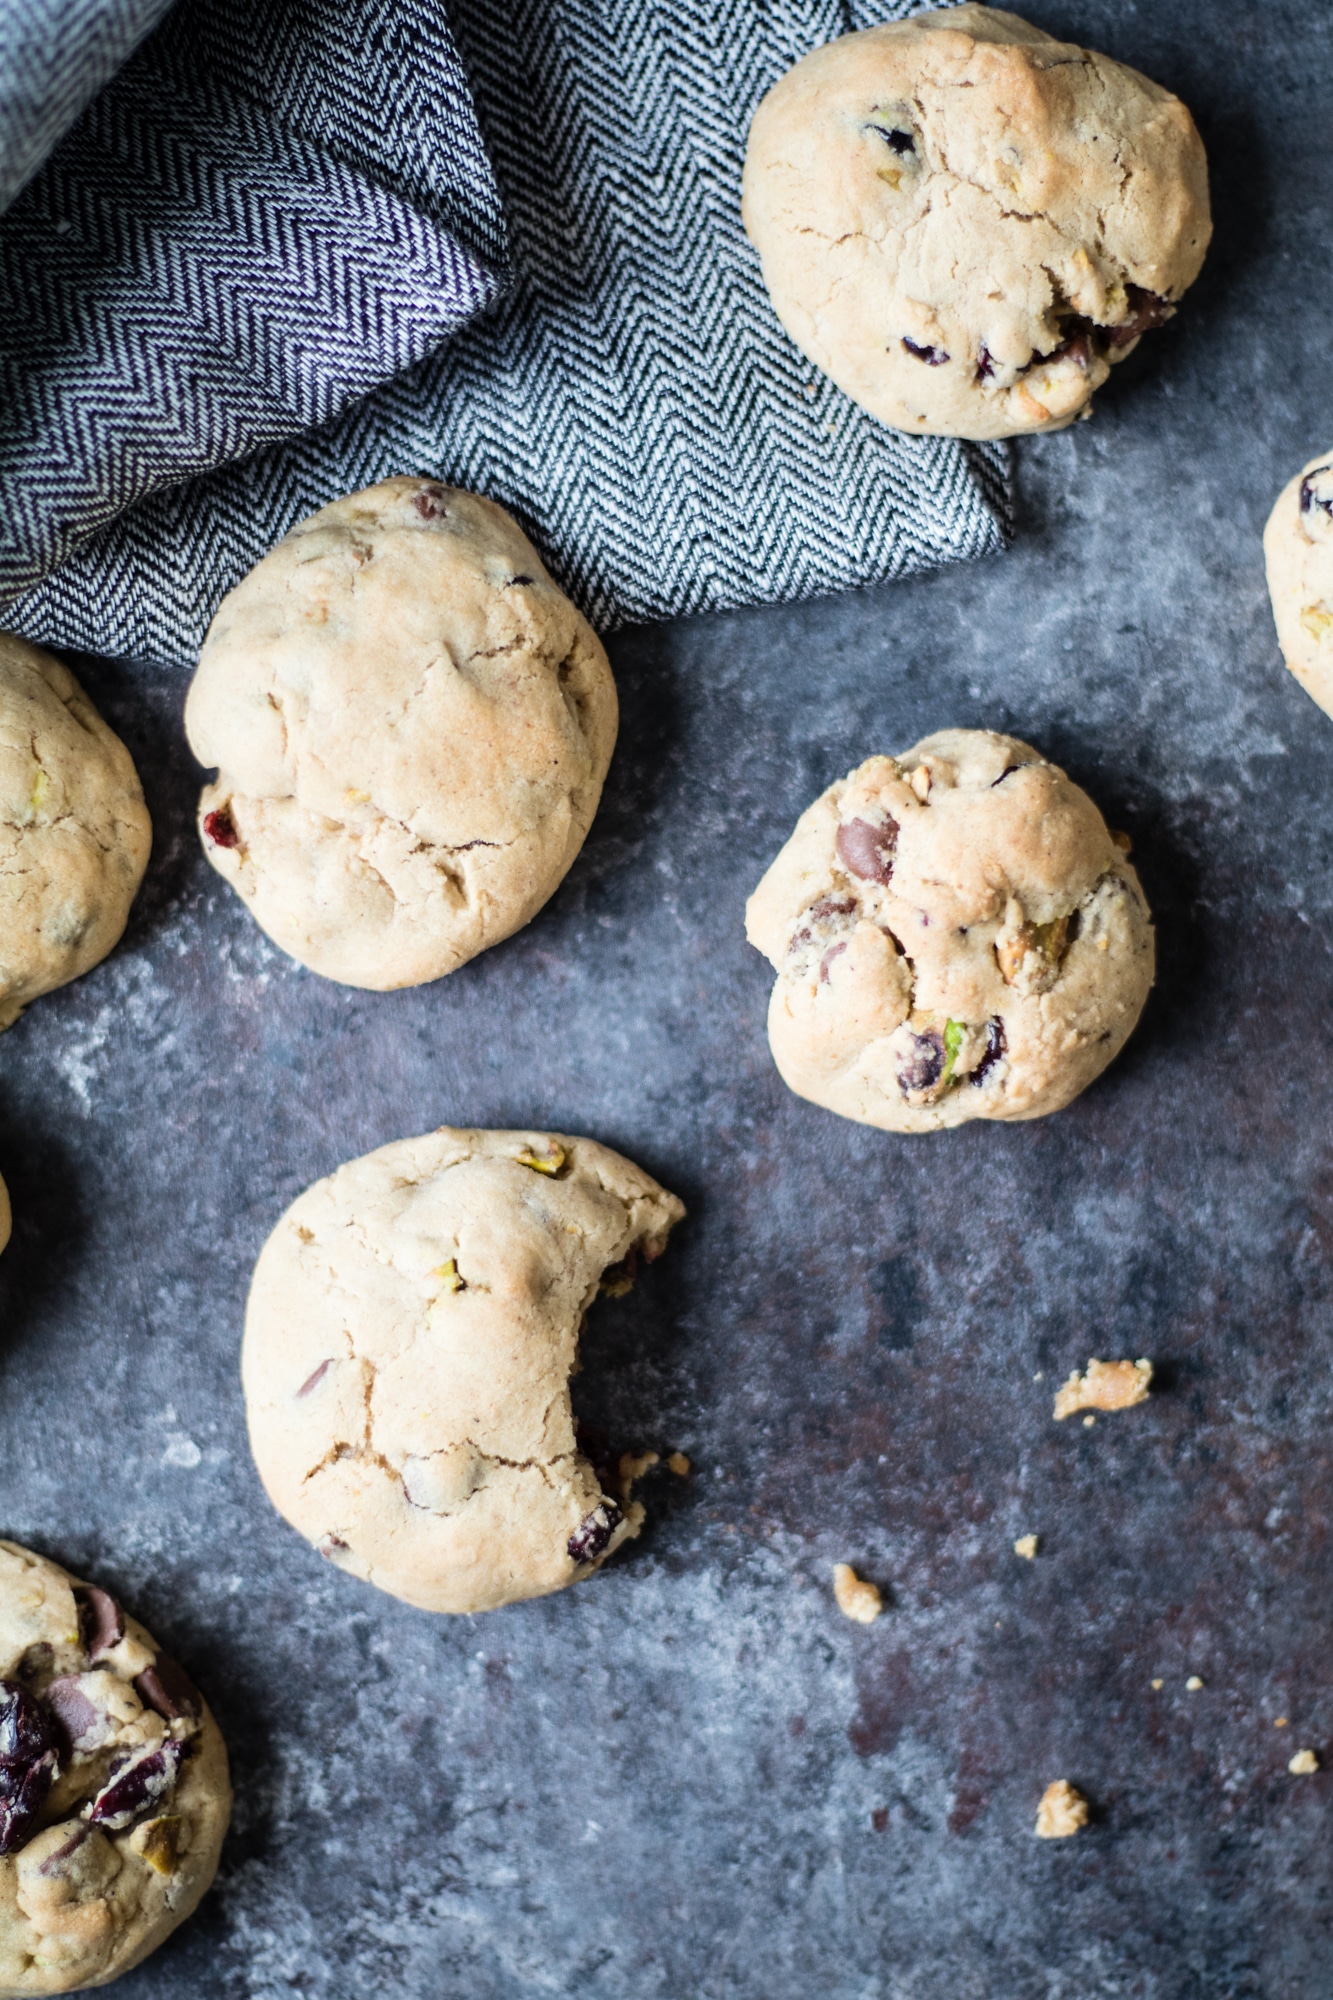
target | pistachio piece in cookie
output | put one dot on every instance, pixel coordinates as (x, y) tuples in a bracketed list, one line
[(1298, 550), (956, 935), (410, 725), (966, 223), (114, 1795), (412, 1327), (74, 831)]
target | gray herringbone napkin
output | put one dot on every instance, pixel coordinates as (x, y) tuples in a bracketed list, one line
[(632, 397)]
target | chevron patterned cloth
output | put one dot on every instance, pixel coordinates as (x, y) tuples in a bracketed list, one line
[(632, 398), (55, 55), (271, 209)]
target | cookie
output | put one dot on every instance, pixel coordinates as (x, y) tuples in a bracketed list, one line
[(74, 830), (114, 1794), (956, 935), (1298, 549), (966, 223), (411, 725), (412, 1326)]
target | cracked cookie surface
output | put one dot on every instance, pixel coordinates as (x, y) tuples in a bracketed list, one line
[(411, 726), (965, 223), (1298, 550), (956, 936), (74, 830), (114, 1795), (412, 1326)]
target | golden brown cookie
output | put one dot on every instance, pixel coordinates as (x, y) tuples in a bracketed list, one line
[(956, 936), (412, 1326), (74, 830), (965, 222), (411, 725), (1298, 548), (114, 1795)]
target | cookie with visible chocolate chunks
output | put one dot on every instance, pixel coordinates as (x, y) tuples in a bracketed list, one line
[(114, 1794), (956, 936), (1298, 550), (412, 1326), (966, 222), (411, 725)]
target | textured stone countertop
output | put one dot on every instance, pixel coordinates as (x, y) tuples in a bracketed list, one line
[(691, 1778)]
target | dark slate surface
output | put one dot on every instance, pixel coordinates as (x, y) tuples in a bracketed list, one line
[(692, 1777)]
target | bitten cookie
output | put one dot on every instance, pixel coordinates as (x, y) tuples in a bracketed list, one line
[(411, 726), (412, 1326), (1298, 547), (956, 935), (114, 1794), (74, 830), (965, 222)]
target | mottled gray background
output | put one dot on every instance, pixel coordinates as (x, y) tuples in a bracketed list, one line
[(691, 1778)]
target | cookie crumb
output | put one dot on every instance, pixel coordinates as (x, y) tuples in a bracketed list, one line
[(633, 1465), (1159, 1684), (1026, 1546), (679, 1464), (856, 1598), (1062, 1811), (1304, 1764), (1280, 1722), (1105, 1385), (1088, 1423), (1194, 1684)]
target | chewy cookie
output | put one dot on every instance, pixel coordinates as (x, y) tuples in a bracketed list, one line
[(956, 935), (1298, 548), (412, 1326), (411, 726), (74, 830), (114, 1794), (965, 222)]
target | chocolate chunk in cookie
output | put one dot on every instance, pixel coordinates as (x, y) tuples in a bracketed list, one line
[(966, 222)]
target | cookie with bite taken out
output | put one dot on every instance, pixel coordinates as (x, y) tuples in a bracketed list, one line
[(412, 1326)]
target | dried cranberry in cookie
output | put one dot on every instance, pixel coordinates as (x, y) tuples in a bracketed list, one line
[(966, 223), (986, 961), (113, 1804), (1298, 547), (412, 1326), (410, 725)]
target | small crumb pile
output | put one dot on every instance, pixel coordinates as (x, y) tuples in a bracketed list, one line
[(1106, 1385), (1062, 1811), (856, 1598)]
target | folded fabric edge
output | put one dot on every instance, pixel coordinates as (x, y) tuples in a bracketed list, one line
[(56, 613)]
